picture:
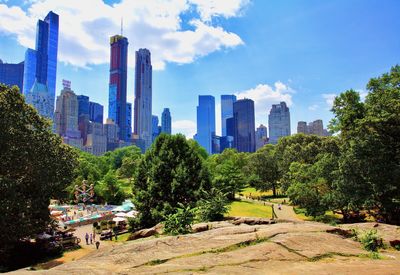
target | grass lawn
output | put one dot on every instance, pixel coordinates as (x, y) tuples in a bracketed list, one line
[(329, 216), (253, 192), (249, 209)]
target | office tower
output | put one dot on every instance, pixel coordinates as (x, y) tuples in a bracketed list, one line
[(83, 105), (96, 142), (143, 97), (302, 127), (118, 83), (226, 110), (129, 120), (166, 121), (278, 122), (261, 136), (111, 131), (12, 74), (40, 65), (205, 122), (39, 97), (216, 144), (66, 117), (96, 111), (244, 125), (155, 128)]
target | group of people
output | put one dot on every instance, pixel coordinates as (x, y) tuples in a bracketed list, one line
[(91, 238)]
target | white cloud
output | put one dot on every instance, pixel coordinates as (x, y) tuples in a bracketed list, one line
[(186, 127), (85, 28), (264, 96), (313, 107), (329, 98)]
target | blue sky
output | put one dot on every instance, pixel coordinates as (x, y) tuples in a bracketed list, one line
[(303, 52)]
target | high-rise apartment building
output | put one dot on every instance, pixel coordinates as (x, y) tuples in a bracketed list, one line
[(261, 136), (226, 111), (206, 122), (313, 128), (111, 131), (96, 142), (278, 122), (118, 83), (166, 121), (143, 97), (244, 125), (96, 111), (40, 65), (302, 127), (12, 74)]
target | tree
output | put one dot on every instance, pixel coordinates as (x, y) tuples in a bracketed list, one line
[(170, 173), (129, 165), (264, 169), (115, 158), (109, 190), (213, 206), (35, 166)]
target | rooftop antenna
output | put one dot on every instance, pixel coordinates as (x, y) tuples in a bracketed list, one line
[(122, 25)]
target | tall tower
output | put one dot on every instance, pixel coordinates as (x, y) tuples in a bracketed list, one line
[(118, 83), (278, 122), (244, 129), (206, 122), (226, 111), (143, 97), (41, 64), (166, 121)]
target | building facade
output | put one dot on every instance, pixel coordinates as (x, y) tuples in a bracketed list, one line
[(244, 125), (206, 122), (143, 97), (166, 121), (278, 122), (261, 136), (315, 127), (129, 120), (40, 65), (111, 131), (155, 127), (96, 112), (118, 83), (226, 111), (12, 74)]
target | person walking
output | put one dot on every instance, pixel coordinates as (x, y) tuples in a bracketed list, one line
[(87, 238), (91, 238), (97, 244)]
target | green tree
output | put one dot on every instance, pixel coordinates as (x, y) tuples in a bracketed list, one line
[(109, 189), (264, 169), (35, 166), (213, 206), (171, 172), (115, 158)]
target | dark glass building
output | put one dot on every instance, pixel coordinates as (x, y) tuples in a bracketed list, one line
[(12, 74), (226, 111), (244, 128), (166, 121), (96, 112), (128, 120), (155, 127), (118, 83), (83, 105), (206, 122), (41, 65)]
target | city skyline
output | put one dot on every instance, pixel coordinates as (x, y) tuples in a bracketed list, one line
[(322, 59)]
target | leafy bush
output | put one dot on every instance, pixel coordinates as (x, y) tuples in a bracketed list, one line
[(371, 241), (180, 222), (213, 207), (134, 224)]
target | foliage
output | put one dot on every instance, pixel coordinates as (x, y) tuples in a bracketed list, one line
[(370, 240), (35, 166), (213, 206), (179, 222), (171, 172), (109, 190)]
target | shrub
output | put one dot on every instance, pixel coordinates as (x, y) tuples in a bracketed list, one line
[(180, 222), (371, 241), (134, 224), (213, 207)]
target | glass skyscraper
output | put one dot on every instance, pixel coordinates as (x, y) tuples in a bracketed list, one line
[(244, 128), (128, 120), (41, 64), (96, 112), (166, 121), (206, 122), (143, 97), (226, 110), (278, 122), (118, 83), (83, 105), (12, 74), (154, 126)]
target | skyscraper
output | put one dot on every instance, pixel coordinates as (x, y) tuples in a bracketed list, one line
[(154, 126), (226, 110), (244, 129), (129, 120), (278, 122), (261, 136), (12, 74), (143, 97), (206, 122), (118, 83), (83, 105), (313, 128), (41, 64), (302, 127), (166, 121), (96, 111)]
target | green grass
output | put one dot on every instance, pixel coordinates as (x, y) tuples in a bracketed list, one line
[(249, 209), (250, 191), (329, 216), (122, 237)]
